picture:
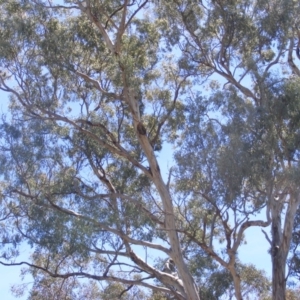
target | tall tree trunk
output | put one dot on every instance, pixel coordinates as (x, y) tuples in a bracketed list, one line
[(170, 226), (236, 282), (278, 280), (281, 240), (278, 261)]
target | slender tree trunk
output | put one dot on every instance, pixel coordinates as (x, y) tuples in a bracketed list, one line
[(170, 226), (281, 239), (278, 262), (278, 280), (237, 283)]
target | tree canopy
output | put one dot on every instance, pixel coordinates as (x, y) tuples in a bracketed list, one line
[(100, 93)]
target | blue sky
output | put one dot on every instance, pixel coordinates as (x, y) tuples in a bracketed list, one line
[(254, 252)]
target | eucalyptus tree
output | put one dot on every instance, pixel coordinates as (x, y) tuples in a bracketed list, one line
[(98, 87), (93, 96), (250, 155)]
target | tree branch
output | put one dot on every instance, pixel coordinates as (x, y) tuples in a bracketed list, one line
[(290, 58), (90, 276)]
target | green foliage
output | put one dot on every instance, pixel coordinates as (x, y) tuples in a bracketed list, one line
[(81, 184)]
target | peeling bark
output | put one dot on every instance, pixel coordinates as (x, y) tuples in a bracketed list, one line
[(281, 239)]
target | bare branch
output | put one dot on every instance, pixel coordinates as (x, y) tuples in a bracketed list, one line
[(246, 225), (267, 237), (166, 278), (290, 58), (139, 282), (93, 19), (133, 15), (121, 29), (98, 86)]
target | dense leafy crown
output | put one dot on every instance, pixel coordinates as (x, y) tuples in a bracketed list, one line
[(101, 93)]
